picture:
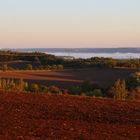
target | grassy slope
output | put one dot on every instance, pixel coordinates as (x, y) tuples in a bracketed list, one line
[(40, 117)]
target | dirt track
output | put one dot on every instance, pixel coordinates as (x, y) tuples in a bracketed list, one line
[(41, 117)]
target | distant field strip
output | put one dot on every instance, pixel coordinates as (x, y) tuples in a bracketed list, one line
[(40, 75), (66, 78)]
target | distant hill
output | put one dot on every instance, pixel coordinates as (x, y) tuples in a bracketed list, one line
[(79, 50)]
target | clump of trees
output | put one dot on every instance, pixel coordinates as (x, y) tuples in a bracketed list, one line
[(12, 85), (133, 85), (102, 62), (126, 89), (133, 81), (5, 67), (29, 67), (119, 90), (19, 86), (54, 67), (87, 88), (123, 89)]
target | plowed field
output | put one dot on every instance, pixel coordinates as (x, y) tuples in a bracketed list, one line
[(44, 117)]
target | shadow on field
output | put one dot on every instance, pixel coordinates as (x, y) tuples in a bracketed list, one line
[(61, 84), (104, 77), (52, 76)]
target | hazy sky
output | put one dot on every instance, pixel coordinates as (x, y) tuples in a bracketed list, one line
[(69, 23)]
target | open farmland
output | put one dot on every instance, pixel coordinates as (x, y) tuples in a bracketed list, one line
[(66, 78), (43, 117)]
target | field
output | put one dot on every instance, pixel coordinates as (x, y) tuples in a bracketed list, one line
[(43, 117), (67, 78)]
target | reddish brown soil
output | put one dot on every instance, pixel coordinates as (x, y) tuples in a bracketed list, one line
[(42, 117), (67, 78)]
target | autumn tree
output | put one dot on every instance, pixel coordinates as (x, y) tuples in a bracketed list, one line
[(123, 90), (60, 67), (119, 90), (21, 85), (34, 87), (29, 67), (117, 94)]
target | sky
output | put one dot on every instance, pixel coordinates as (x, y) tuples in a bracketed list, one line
[(69, 23)]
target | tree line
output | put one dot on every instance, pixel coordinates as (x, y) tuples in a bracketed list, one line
[(122, 89), (5, 67), (128, 89), (44, 60)]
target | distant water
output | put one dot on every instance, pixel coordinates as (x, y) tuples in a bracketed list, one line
[(118, 53), (107, 55)]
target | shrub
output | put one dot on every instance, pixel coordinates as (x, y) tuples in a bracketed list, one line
[(29, 67), (54, 67), (135, 94), (60, 67), (75, 90), (35, 87), (54, 90), (87, 86), (133, 81), (95, 92)]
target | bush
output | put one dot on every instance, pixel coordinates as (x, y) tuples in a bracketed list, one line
[(35, 87), (60, 67), (133, 81), (75, 90), (87, 86), (95, 92), (54, 90), (135, 94), (29, 67)]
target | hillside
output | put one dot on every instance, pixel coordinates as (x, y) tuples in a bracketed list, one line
[(40, 117)]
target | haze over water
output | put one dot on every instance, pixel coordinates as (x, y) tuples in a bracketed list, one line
[(118, 53)]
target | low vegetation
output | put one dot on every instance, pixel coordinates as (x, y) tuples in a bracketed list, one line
[(119, 91), (18, 85)]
